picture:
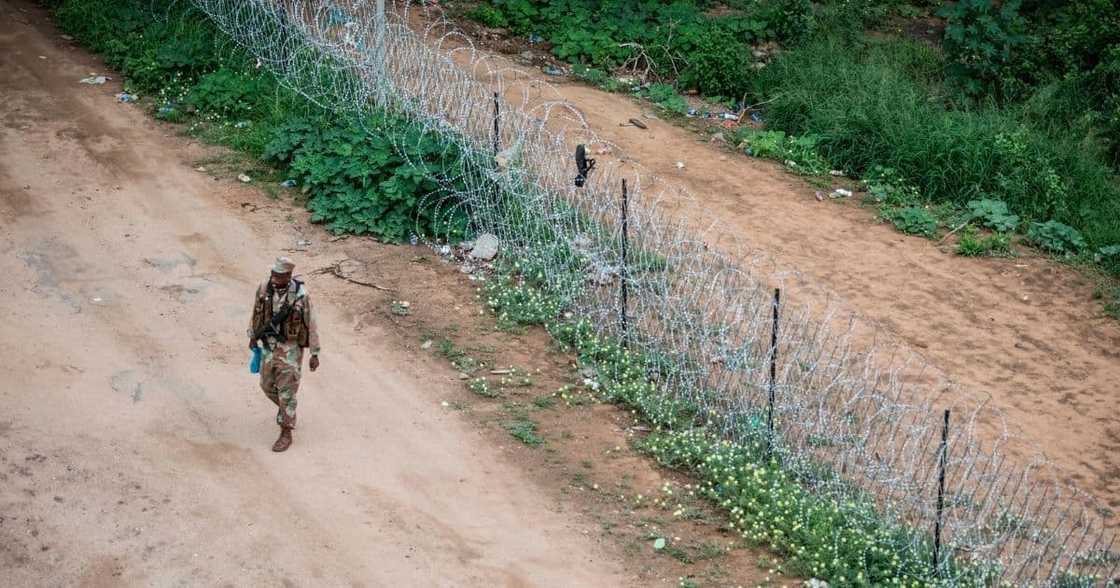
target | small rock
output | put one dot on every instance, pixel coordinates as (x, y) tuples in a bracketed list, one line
[(485, 247), (244, 178), (426, 344), (680, 165), (820, 196)]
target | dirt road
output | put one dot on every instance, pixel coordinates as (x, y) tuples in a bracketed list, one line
[(134, 444)]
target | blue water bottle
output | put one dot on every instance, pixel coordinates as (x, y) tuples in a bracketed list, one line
[(255, 361)]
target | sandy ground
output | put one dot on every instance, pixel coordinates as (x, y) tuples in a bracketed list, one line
[(134, 444), (1024, 332)]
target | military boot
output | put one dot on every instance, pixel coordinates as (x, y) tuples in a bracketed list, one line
[(284, 441)]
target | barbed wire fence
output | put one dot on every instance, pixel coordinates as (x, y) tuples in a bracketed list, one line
[(829, 393)]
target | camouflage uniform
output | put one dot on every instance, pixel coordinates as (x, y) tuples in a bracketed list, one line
[(282, 358)]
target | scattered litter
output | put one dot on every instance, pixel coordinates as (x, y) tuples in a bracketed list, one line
[(42, 57), (718, 138), (426, 344), (445, 250), (756, 117), (463, 376), (501, 372), (67, 38), (552, 70), (729, 116), (244, 178), (95, 80), (659, 544), (242, 124), (527, 55), (166, 109), (602, 150), (815, 583), (680, 165), (200, 169), (820, 196), (535, 38), (836, 173), (840, 193), (303, 243), (444, 404), (288, 184), (126, 97), (729, 124)]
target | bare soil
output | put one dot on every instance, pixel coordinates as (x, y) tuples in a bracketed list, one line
[(135, 447)]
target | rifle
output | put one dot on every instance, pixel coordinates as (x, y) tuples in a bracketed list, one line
[(275, 325)]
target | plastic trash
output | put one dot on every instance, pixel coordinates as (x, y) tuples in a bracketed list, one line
[(288, 184), (840, 193), (413, 240), (756, 117), (255, 361), (243, 124), (95, 80), (729, 116), (535, 38), (126, 97), (244, 178), (552, 70), (166, 109)]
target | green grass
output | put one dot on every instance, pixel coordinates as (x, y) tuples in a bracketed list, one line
[(882, 103), (524, 430)]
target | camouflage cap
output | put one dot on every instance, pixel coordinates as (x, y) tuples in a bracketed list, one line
[(283, 265)]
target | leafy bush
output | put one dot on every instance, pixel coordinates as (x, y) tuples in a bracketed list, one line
[(798, 153), (666, 96), (1056, 237), (234, 94), (993, 214), (912, 220), (1109, 258), (359, 183), (880, 103), (973, 245), (887, 186), (982, 38), (489, 16)]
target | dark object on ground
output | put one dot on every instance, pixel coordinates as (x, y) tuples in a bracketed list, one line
[(583, 165)]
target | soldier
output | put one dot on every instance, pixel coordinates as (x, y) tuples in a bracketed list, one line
[(285, 324)]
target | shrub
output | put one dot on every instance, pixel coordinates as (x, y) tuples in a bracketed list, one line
[(234, 94), (993, 214), (973, 245), (358, 182), (982, 39), (912, 220), (1056, 237)]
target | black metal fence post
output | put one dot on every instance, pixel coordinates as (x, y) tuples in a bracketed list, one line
[(943, 457), (497, 115), (623, 273), (773, 373)]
